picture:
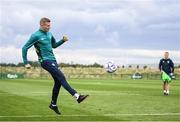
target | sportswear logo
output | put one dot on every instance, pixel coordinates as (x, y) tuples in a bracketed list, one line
[(53, 64)]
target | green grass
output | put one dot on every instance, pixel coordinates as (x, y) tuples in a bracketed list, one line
[(110, 100)]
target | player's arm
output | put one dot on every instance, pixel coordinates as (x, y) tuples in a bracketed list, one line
[(25, 48), (56, 44), (160, 65), (172, 66)]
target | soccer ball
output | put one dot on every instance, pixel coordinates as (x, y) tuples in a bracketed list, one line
[(110, 67)]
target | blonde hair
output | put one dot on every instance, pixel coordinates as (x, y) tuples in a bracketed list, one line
[(44, 19)]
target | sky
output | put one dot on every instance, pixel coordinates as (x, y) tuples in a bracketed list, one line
[(123, 31)]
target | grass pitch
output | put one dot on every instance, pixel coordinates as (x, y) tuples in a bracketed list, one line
[(110, 100)]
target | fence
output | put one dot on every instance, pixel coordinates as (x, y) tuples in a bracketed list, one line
[(70, 72)]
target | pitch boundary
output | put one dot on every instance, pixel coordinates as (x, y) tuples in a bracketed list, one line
[(76, 115)]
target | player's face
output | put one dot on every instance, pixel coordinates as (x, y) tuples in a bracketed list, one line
[(45, 26), (166, 55)]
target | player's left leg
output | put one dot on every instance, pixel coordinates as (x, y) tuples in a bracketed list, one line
[(164, 87), (52, 68), (62, 80), (167, 88)]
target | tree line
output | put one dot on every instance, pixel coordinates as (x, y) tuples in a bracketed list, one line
[(37, 64)]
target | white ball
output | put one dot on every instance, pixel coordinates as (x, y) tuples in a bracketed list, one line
[(110, 67)]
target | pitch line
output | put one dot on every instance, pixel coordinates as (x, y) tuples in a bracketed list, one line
[(76, 115), (47, 93)]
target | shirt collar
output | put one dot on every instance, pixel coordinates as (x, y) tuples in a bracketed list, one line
[(42, 30)]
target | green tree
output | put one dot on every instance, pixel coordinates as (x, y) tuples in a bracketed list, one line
[(145, 67)]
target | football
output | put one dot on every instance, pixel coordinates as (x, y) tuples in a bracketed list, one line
[(110, 67)]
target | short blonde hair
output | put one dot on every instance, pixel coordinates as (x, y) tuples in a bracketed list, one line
[(44, 19)]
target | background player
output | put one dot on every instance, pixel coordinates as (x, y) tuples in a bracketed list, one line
[(166, 66)]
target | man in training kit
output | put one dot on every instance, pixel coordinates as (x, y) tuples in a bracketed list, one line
[(166, 66), (43, 42)]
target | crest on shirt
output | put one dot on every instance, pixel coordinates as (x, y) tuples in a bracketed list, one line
[(43, 38)]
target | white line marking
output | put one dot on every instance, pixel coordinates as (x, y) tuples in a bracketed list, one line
[(76, 115), (150, 114), (64, 94)]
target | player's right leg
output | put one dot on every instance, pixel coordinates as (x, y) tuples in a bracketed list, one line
[(55, 93)]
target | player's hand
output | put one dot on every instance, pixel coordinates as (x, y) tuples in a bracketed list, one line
[(28, 66), (65, 38)]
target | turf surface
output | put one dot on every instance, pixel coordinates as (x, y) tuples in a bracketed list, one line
[(110, 100)]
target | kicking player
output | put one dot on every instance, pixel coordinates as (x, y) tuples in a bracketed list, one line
[(43, 41), (166, 66)]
